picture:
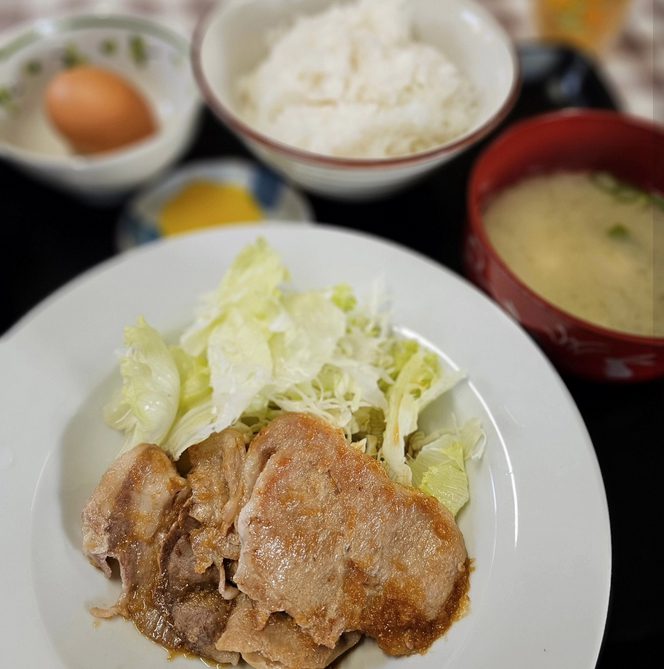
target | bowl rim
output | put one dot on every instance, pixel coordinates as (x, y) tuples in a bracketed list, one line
[(243, 129), (29, 32), (475, 220)]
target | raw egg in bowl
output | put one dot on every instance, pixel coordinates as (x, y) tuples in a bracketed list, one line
[(96, 104)]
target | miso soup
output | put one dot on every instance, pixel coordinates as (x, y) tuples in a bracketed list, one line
[(588, 243)]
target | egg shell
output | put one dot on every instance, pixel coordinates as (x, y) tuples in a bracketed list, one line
[(96, 110)]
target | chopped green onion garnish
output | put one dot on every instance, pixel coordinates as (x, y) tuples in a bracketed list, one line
[(618, 231), (619, 190)]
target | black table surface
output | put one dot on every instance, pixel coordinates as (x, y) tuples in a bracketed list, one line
[(48, 237)]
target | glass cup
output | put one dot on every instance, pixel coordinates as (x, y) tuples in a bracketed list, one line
[(591, 25)]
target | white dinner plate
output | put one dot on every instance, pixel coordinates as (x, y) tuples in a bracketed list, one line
[(537, 524)]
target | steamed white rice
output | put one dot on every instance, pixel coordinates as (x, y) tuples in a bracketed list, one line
[(353, 82)]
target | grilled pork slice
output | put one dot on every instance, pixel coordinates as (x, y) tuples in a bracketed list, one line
[(139, 516), (189, 600), (215, 472), (128, 515), (277, 643), (328, 538), (215, 477)]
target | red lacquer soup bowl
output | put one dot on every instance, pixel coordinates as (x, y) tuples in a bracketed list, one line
[(630, 149)]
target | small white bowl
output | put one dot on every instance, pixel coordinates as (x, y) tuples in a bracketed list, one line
[(149, 55), (232, 39)]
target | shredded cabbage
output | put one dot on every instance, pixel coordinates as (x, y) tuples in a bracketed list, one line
[(256, 349)]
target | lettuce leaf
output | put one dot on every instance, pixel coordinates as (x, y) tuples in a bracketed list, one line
[(419, 381), (147, 404), (194, 379), (250, 284), (439, 467), (240, 364), (315, 325)]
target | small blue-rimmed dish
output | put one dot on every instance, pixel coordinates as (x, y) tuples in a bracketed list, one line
[(249, 188)]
